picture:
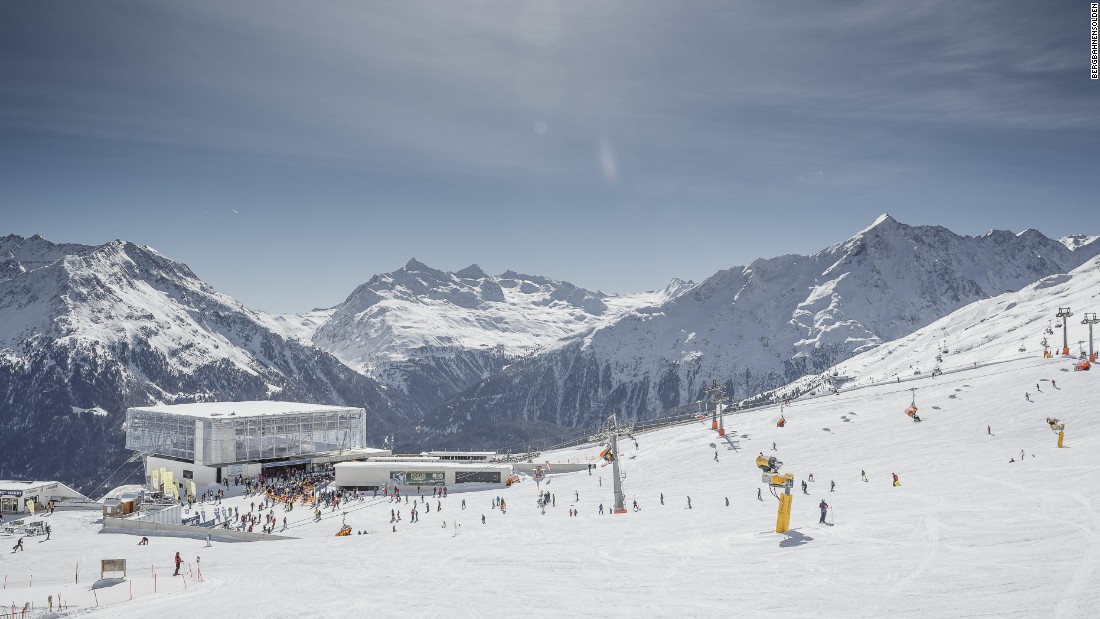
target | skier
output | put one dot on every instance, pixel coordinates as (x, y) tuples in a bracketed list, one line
[(144, 541), (804, 486), (636, 508), (18, 546), (1053, 383), (1037, 388), (1027, 396), (824, 507), (759, 495), (179, 562), (576, 495), (811, 476), (483, 519), (601, 509), (463, 503), (832, 486), (727, 501), (773, 447), (1021, 454), (716, 456), (47, 532), (863, 475), (897, 482), (989, 430), (662, 498), (689, 502)]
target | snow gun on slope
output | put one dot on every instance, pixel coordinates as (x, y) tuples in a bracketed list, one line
[(771, 476), (1059, 427)]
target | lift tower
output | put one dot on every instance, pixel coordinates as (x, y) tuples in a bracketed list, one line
[(612, 429), (1091, 321), (1064, 314), (717, 393)]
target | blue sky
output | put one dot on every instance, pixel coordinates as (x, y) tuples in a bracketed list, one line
[(287, 151)]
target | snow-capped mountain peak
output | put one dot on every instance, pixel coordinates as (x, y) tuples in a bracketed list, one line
[(460, 327), (761, 326)]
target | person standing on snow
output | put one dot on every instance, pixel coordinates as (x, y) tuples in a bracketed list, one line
[(863, 475), (759, 495), (716, 456), (824, 507), (897, 482), (1027, 396), (179, 562), (832, 486)]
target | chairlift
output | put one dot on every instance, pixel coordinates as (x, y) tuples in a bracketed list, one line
[(939, 358), (1058, 325)]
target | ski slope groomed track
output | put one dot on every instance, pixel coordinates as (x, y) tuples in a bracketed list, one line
[(967, 533)]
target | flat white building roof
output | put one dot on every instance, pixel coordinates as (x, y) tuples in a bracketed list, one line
[(208, 410), (18, 488)]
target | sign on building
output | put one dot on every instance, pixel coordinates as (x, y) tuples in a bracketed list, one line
[(418, 478)]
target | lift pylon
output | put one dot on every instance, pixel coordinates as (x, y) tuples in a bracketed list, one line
[(1064, 314), (612, 430), (1091, 321), (717, 393)]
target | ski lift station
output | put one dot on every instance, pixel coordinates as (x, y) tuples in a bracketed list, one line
[(207, 442), (18, 497)]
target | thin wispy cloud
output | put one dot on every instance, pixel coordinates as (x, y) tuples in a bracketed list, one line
[(475, 111)]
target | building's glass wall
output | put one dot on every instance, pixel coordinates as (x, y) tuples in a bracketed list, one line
[(246, 439), (161, 433)]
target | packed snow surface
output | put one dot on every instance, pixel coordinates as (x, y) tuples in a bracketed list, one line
[(973, 529)]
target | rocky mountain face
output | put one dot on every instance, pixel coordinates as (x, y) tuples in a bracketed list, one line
[(755, 328), (86, 332), (431, 334)]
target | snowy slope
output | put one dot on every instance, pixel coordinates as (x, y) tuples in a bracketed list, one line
[(759, 327), (1010, 326), (968, 533), (432, 333), (119, 325)]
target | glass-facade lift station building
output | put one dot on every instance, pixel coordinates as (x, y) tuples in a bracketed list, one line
[(210, 441)]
